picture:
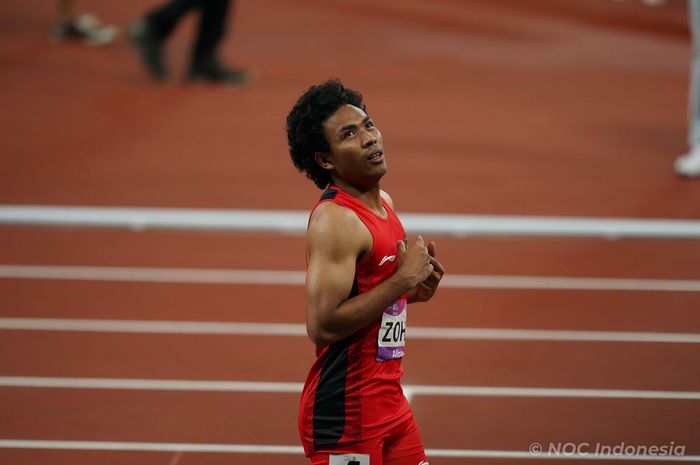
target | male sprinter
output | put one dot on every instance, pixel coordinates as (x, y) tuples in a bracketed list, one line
[(360, 276)]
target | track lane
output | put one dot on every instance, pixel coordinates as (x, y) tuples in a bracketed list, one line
[(58, 457), (151, 301), (650, 259), (446, 423), (286, 359), (516, 423), (481, 308), (149, 416), (61, 457), (156, 356)]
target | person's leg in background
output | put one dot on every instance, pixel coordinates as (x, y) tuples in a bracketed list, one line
[(66, 11), (689, 164), (150, 33), (163, 19), (205, 64), (85, 28)]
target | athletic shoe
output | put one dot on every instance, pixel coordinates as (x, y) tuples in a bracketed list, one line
[(86, 28), (150, 47), (210, 70), (689, 164)]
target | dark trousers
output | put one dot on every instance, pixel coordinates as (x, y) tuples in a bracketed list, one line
[(212, 24)]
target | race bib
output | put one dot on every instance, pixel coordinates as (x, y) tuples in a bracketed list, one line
[(391, 340)]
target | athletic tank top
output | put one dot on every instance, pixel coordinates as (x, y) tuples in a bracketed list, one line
[(353, 392)]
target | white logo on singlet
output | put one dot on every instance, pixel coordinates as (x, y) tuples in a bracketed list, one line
[(388, 258)]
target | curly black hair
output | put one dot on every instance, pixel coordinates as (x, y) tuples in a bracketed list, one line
[(305, 126)]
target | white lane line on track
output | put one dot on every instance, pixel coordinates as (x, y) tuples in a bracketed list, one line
[(296, 278), (291, 329), (294, 222), (154, 275), (277, 387), (149, 384), (150, 446), (297, 450)]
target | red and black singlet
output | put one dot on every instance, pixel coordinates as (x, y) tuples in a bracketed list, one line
[(353, 392)]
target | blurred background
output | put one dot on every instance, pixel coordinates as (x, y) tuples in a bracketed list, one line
[(507, 107)]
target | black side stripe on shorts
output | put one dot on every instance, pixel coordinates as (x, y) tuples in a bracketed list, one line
[(329, 404)]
